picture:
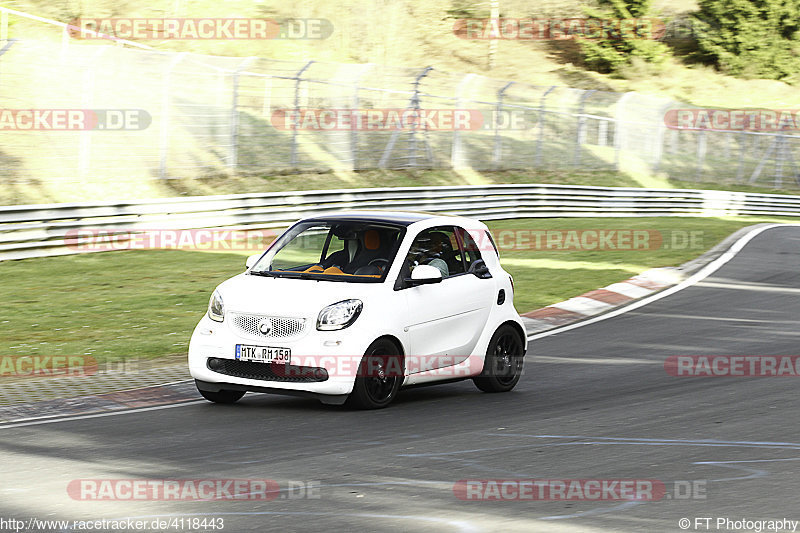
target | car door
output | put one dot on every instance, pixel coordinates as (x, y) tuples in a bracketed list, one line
[(446, 319)]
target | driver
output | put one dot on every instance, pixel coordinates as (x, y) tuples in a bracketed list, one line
[(426, 250)]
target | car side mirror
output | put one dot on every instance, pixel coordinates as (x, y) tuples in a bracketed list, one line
[(479, 268), (424, 275), (251, 261)]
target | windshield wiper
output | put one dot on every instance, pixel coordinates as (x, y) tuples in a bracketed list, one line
[(265, 273)]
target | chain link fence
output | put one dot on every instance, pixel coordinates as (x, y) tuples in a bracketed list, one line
[(210, 116)]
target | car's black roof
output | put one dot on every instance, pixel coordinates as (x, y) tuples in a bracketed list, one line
[(400, 218)]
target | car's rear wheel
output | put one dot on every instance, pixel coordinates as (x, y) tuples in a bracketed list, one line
[(222, 396), (502, 367), (379, 377)]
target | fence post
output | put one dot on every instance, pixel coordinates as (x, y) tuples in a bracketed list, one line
[(165, 115), (619, 128), (779, 157), (355, 104), (87, 102), (764, 158), (602, 133), (494, 16), (540, 140), (580, 135), (266, 104), (742, 149), (233, 156), (658, 149), (297, 80), (784, 155), (85, 141), (497, 153), (418, 110), (455, 149), (701, 154)]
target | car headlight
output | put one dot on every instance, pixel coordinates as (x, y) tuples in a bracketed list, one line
[(339, 315), (216, 309)]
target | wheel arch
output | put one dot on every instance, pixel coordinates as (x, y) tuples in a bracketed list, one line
[(522, 333), (394, 340)]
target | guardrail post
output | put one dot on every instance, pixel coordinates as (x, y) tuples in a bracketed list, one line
[(580, 135), (298, 80), (165, 114), (497, 153), (540, 140), (233, 156)]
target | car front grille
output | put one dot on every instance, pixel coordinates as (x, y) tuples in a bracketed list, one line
[(267, 371), (278, 327)]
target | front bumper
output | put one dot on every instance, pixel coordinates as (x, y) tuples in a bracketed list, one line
[(335, 355), (331, 399)]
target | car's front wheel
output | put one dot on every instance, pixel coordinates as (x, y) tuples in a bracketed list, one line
[(222, 396), (502, 367), (379, 377)]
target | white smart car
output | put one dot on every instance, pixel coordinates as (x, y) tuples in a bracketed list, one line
[(351, 307)]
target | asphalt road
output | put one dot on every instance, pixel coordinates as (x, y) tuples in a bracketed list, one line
[(594, 403)]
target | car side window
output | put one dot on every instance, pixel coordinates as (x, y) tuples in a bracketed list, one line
[(470, 248), (436, 247)]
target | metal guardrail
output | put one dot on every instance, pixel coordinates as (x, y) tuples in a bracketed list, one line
[(44, 230)]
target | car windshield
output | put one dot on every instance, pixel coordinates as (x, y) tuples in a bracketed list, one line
[(332, 250)]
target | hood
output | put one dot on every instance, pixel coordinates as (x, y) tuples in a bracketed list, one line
[(289, 296)]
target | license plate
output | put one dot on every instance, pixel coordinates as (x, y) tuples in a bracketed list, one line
[(263, 354)]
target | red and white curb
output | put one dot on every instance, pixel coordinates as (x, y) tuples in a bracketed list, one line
[(601, 300), (639, 290)]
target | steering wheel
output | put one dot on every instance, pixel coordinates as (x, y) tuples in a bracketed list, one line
[(382, 267)]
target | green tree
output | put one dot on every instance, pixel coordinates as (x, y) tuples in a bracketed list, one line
[(750, 38), (611, 52)]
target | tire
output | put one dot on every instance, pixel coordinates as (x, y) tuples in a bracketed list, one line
[(222, 396), (379, 377), (502, 367)]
